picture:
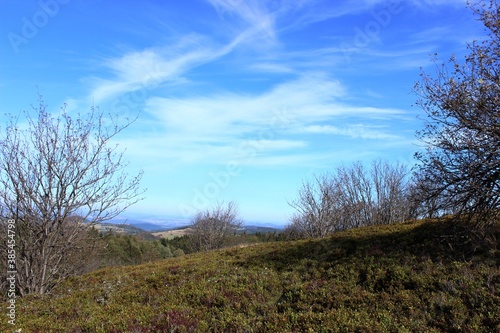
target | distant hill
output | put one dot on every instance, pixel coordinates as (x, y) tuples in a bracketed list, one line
[(252, 229), (159, 223), (152, 224), (413, 277), (126, 229), (133, 227)]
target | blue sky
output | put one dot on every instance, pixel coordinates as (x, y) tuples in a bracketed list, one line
[(237, 99)]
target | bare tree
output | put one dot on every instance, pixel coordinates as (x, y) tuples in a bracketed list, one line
[(212, 228), (316, 208), (392, 192), (356, 195), (352, 197), (58, 176), (378, 195), (460, 167)]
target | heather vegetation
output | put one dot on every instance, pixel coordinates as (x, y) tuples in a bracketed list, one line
[(404, 277)]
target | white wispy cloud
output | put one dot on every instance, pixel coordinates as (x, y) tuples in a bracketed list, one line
[(354, 131), (429, 4), (212, 117), (150, 67), (258, 26), (153, 66), (253, 16), (168, 63), (278, 122)]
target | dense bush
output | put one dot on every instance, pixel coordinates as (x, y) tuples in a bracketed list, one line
[(132, 250)]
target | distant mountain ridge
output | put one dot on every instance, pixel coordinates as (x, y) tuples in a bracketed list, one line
[(151, 224), (134, 227), (155, 223)]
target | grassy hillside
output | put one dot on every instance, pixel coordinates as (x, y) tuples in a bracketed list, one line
[(411, 277)]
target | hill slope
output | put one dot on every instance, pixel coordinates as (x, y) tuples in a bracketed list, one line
[(396, 278)]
